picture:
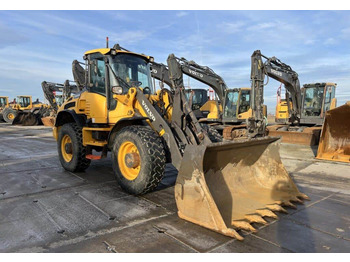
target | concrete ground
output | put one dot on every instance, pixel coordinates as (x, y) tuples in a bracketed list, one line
[(46, 209)]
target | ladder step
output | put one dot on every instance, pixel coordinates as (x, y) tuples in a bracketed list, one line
[(93, 157)]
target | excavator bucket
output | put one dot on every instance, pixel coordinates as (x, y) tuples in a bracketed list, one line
[(335, 137), (227, 186)]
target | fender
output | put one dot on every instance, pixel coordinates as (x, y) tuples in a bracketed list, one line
[(69, 116), (138, 120)]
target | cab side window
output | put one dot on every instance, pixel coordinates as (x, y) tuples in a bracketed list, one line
[(97, 76)]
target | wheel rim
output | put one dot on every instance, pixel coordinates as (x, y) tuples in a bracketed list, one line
[(11, 116), (129, 160), (66, 148)]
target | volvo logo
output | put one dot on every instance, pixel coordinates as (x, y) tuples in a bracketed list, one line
[(149, 112)]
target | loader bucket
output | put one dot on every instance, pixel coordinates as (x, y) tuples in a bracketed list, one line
[(335, 137), (26, 119), (48, 121), (227, 186)]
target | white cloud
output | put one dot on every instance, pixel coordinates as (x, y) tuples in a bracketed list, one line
[(262, 26), (232, 27), (181, 14)]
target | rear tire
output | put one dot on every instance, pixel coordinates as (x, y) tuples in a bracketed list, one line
[(9, 115), (72, 157), (148, 149)]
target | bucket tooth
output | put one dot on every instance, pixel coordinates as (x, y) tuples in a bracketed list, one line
[(236, 235), (266, 213), (295, 199), (289, 204), (256, 219), (243, 225), (303, 196), (276, 208)]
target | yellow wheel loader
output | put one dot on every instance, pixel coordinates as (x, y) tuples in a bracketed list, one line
[(4, 103), (223, 186), (25, 112)]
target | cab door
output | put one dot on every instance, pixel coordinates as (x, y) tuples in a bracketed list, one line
[(94, 102)]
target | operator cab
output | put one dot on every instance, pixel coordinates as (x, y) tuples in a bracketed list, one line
[(317, 99), (24, 101), (3, 101), (123, 70), (237, 101)]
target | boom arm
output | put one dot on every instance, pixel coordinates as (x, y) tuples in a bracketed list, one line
[(279, 71), (49, 88), (203, 74), (160, 72)]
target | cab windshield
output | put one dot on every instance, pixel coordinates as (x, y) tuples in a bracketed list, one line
[(313, 101), (24, 101), (131, 71), (2, 101), (231, 100)]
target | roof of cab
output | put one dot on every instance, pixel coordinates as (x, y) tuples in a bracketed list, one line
[(105, 51)]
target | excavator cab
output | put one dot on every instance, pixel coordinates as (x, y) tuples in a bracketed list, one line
[(236, 105), (197, 98), (282, 106), (316, 100)]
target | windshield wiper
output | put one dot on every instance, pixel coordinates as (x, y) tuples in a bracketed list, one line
[(119, 79)]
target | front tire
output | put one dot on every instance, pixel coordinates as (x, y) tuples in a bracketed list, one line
[(9, 115), (71, 152), (138, 157)]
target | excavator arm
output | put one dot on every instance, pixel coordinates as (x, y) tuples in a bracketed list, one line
[(274, 68), (203, 74), (160, 72)]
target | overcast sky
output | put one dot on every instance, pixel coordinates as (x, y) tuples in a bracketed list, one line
[(41, 45)]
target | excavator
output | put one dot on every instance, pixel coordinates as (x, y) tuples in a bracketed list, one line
[(4, 103), (306, 109), (228, 113), (223, 186)]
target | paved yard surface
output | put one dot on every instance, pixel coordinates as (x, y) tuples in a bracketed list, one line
[(46, 209)]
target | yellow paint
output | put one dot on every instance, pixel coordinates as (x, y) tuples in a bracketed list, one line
[(161, 133), (130, 173), (67, 157), (211, 106), (282, 111), (88, 140)]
